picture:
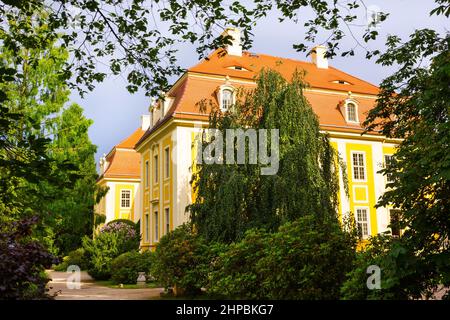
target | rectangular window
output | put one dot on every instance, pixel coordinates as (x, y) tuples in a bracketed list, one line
[(166, 162), (156, 164), (351, 112), (147, 229), (167, 217), (387, 161), (146, 174), (394, 217), (156, 225), (358, 163), (362, 221), (125, 198)]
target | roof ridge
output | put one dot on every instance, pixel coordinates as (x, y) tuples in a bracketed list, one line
[(128, 138), (283, 58), (350, 75), (302, 61)]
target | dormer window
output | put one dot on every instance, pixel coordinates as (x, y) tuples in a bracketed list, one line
[(340, 82), (226, 97), (351, 111), (237, 68)]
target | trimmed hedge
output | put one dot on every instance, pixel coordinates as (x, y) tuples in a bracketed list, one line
[(126, 267)]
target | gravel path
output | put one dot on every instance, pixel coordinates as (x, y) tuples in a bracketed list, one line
[(89, 290)]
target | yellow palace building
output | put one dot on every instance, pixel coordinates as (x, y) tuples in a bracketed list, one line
[(120, 173), (340, 100)]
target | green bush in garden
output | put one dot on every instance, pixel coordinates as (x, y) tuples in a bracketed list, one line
[(397, 272), (306, 259), (235, 272), (113, 240), (182, 260), (76, 257), (126, 267), (128, 232)]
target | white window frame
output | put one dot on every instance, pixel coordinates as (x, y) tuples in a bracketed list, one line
[(222, 88), (167, 219), (167, 162), (385, 164), (347, 102), (122, 198), (156, 168), (364, 167), (146, 173), (368, 220), (390, 221), (156, 225), (147, 227)]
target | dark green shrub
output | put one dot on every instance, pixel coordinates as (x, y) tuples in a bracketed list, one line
[(398, 277), (113, 240), (23, 261), (126, 267), (235, 272), (305, 259), (182, 260), (76, 257)]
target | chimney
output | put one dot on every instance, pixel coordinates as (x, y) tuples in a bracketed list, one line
[(145, 121), (235, 49), (318, 57)]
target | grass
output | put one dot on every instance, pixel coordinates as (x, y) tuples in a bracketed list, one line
[(111, 284)]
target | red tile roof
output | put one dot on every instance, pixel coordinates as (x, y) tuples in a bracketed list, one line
[(219, 64), (191, 90), (124, 161)]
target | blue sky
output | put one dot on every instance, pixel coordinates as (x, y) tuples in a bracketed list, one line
[(116, 113)]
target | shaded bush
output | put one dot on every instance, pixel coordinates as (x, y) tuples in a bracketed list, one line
[(112, 240), (76, 257), (182, 260), (22, 262), (306, 259), (399, 279), (126, 267)]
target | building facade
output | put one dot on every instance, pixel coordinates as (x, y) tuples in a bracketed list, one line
[(341, 101), (120, 173)]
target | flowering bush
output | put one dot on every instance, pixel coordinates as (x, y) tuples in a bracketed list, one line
[(120, 227), (127, 232), (115, 238)]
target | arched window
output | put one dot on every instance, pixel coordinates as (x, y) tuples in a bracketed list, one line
[(227, 99), (351, 112)]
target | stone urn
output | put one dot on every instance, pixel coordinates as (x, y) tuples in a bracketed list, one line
[(141, 279)]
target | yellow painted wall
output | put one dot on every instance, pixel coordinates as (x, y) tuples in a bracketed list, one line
[(369, 183), (146, 195), (153, 199), (122, 213), (167, 186)]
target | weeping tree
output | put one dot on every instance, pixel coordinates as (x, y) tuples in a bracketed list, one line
[(232, 198)]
